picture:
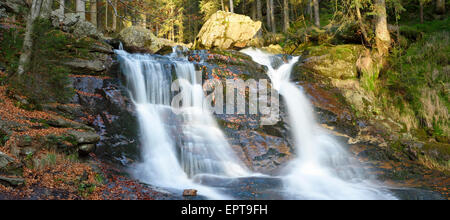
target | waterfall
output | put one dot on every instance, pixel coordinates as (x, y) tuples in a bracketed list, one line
[(322, 169), (178, 144)]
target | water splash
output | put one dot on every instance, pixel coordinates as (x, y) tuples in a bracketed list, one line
[(323, 169), (176, 148)]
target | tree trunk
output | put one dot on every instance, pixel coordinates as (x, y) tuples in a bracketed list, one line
[(223, 5), (259, 10), (286, 15), (81, 9), (382, 37), (440, 6), (316, 13), (114, 18), (253, 11), (62, 5), (421, 10), (231, 6), (310, 11), (46, 9), (106, 15), (94, 12), (272, 17), (361, 24), (268, 20), (28, 40)]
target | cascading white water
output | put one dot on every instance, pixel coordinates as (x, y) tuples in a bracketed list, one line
[(203, 148), (322, 169)]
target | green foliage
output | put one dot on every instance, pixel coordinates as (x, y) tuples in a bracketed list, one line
[(46, 80), (420, 77), (11, 41)]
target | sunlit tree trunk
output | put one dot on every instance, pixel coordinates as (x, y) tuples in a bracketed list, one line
[(440, 6), (81, 9), (286, 15), (114, 16), (222, 4), (382, 36), (231, 6), (27, 47), (310, 10), (94, 12), (316, 13), (361, 23)]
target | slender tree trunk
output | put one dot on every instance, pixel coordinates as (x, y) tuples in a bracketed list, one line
[(106, 15), (361, 24), (28, 40), (310, 11), (268, 20), (231, 6), (114, 18), (81, 9), (440, 6), (62, 6), (421, 10), (382, 36), (259, 10), (272, 17), (223, 5), (253, 11), (94, 12), (316, 13), (286, 15), (46, 9)]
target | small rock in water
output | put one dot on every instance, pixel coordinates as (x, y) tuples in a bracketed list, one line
[(190, 192)]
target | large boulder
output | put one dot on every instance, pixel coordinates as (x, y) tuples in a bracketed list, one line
[(338, 62), (139, 39), (225, 30)]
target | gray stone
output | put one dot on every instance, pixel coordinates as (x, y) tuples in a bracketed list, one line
[(11, 181), (5, 160), (85, 137)]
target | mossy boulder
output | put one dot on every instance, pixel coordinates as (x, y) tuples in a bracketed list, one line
[(139, 39), (337, 62), (225, 30)]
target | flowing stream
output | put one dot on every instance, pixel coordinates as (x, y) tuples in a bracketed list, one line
[(182, 145), (322, 169)]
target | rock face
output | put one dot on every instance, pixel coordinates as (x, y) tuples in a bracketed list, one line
[(71, 23), (139, 39), (226, 30), (263, 148), (111, 113)]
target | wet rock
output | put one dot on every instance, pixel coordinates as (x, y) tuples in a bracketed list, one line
[(9, 166), (190, 192), (226, 30), (85, 137), (86, 149), (11, 181)]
